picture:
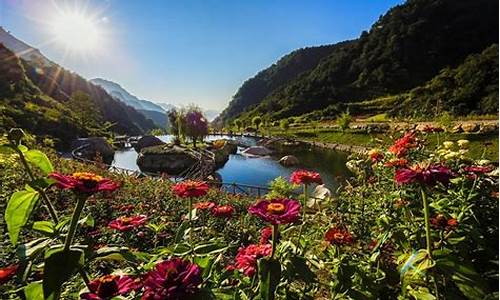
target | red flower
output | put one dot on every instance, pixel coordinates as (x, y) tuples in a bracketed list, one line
[(223, 211), (266, 234), (109, 286), (190, 188), (478, 169), (127, 223), (7, 273), (429, 175), (305, 177), (172, 279), (402, 145), (376, 155), (338, 236), (246, 259), (84, 182), (441, 223), (397, 162), (276, 211), (207, 205)]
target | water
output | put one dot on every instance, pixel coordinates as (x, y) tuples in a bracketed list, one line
[(261, 170)]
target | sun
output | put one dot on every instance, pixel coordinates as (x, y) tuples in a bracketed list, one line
[(76, 31)]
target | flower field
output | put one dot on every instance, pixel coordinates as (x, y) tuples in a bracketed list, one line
[(410, 223)]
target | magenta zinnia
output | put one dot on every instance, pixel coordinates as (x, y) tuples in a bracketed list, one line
[(84, 182), (246, 259), (109, 286), (172, 279), (423, 174), (305, 177), (127, 223), (190, 188), (276, 211)]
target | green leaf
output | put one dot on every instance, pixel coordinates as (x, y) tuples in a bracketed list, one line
[(46, 227), (269, 277), (7, 149), (114, 253), (470, 283), (87, 221), (18, 211), (34, 291), (181, 232), (40, 160), (32, 249), (60, 266), (298, 268), (40, 183), (209, 248)]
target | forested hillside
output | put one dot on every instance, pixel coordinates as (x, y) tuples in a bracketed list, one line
[(404, 49)]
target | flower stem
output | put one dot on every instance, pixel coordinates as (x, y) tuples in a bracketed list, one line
[(45, 198), (190, 216), (303, 215), (275, 238), (80, 203), (426, 220)]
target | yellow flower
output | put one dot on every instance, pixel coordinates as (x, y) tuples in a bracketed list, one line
[(448, 144), (463, 143)]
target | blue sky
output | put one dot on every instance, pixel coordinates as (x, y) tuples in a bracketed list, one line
[(190, 51)]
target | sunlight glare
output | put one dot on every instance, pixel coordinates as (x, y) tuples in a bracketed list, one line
[(76, 32)]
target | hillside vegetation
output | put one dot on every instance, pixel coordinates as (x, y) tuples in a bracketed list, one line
[(405, 49)]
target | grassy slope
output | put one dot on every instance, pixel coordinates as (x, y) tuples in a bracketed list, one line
[(481, 146)]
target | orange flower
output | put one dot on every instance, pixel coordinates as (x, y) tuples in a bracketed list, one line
[(402, 145), (223, 211)]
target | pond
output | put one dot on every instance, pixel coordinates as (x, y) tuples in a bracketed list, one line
[(260, 171)]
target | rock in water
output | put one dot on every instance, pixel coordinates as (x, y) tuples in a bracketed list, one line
[(168, 159), (257, 151), (93, 148), (289, 161), (147, 141)]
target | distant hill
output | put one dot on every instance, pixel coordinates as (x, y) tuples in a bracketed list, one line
[(152, 111), (408, 46), (40, 79)]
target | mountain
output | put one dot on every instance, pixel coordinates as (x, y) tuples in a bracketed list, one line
[(407, 47), (150, 110), (211, 114), (44, 84)]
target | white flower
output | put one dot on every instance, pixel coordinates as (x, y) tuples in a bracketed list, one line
[(484, 162)]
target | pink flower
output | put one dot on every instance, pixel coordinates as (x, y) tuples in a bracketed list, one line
[(223, 211), (276, 211), (478, 169), (84, 182), (429, 175), (127, 223), (172, 279), (190, 188), (266, 234), (305, 177), (246, 259), (109, 286)]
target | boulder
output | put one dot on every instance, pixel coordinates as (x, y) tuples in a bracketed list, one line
[(169, 159), (222, 149), (488, 128), (289, 161), (470, 127), (320, 193), (93, 148), (257, 151), (457, 129), (147, 141)]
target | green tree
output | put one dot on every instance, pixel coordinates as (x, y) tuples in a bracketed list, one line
[(285, 125), (238, 124), (86, 113), (257, 121), (344, 121)]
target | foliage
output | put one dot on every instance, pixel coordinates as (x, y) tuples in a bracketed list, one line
[(196, 125), (285, 125), (407, 47), (344, 121), (368, 241), (257, 121)]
